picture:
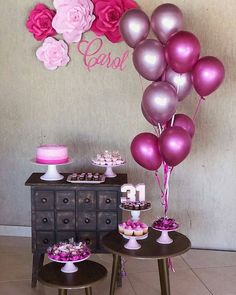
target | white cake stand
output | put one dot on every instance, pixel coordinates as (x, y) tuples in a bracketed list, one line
[(69, 266), (52, 174), (109, 172), (132, 243), (135, 214), (164, 237)]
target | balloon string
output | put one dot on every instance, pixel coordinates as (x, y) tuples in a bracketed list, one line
[(141, 82), (160, 128), (159, 182), (171, 264), (172, 120), (198, 107), (167, 173)]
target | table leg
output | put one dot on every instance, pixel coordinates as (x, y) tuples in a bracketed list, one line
[(37, 264), (114, 273), (119, 273), (88, 291), (164, 276), (62, 292)]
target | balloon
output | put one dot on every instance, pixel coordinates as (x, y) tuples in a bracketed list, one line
[(149, 59), (146, 116), (182, 51), (134, 26), (175, 144), (166, 20), (145, 151), (160, 101), (183, 121), (207, 75), (181, 82)]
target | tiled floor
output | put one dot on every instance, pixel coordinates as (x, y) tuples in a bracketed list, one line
[(198, 272)]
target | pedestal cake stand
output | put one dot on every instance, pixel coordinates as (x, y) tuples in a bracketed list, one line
[(109, 172), (69, 266)]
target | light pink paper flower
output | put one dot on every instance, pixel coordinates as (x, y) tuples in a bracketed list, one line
[(53, 53), (73, 18)]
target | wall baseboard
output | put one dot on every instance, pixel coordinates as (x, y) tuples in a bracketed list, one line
[(16, 231)]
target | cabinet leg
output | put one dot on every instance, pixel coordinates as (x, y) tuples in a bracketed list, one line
[(38, 259), (119, 273), (114, 273), (164, 276), (88, 291), (62, 292)]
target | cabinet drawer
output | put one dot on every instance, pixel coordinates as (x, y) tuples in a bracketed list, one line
[(107, 200), (44, 239), (89, 238), (86, 220), (44, 220), (65, 220), (65, 200), (107, 220), (44, 200), (65, 236), (86, 200)]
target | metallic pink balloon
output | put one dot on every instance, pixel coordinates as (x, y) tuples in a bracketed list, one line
[(149, 59), (183, 121), (160, 101), (134, 26), (181, 82), (166, 20), (145, 151), (182, 51), (146, 116), (207, 75), (175, 144)]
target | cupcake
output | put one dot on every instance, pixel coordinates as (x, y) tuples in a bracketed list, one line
[(128, 230), (121, 228), (138, 231)]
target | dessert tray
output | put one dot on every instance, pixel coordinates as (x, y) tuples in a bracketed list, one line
[(165, 225), (132, 243), (135, 212), (91, 178)]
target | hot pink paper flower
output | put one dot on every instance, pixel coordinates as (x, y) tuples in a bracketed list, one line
[(73, 18), (108, 14), (53, 53), (39, 22)]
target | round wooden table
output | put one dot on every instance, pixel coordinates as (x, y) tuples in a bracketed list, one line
[(89, 272), (150, 249)]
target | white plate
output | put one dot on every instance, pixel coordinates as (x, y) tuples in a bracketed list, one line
[(86, 181), (134, 209), (106, 165), (143, 237)]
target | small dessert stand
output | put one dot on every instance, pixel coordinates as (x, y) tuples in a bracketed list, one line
[(109, 172), (135, 214), (52, 174), (69, 266), (132, 243), (164, 238)]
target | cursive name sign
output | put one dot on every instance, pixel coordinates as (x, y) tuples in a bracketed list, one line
[(93, 55)]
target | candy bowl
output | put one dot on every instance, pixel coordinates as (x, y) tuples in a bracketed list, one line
[(68, 253), (165, 225)]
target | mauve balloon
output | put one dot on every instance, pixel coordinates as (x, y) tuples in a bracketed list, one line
[(149, 59), (183, 121), (145, 151), (181, 82), (207, 75), (146, 116), (175, 144), (166, 20), (134, 26), (160, 101), (182, 51)]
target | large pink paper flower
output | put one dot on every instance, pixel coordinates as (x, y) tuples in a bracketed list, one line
[(39, 22), (53, 53), (108, 14), (73, 18)]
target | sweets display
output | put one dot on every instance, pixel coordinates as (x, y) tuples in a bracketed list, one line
[(165, 223), (52, 154), (108, 158), (86, 177), (133, 228), (135, 205), (68, 252)]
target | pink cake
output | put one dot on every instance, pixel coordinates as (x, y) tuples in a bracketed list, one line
[(52, 154)]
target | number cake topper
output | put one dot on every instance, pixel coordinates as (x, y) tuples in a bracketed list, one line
[(131, 191)]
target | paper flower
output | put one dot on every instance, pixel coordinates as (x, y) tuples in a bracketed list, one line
[(108, 14), (53, 53), (73, 18), (39, 22)]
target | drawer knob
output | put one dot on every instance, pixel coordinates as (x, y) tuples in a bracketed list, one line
[(108, 201), (87, 220), (66, 220), (45, 241), (45, 220), (108, 221), (87, 200), (65, 201), (44, 200), (87, 241)]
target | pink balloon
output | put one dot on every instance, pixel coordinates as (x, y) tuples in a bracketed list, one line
[(145, 151), (183, 121), (160, 102), (181, 82), (134, 26), (166, 20), (175, 145), (146, 116), (149, 59), (182, 51), (207, 75)]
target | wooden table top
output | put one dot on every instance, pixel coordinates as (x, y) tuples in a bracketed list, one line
[(150, 249), (89, 272)]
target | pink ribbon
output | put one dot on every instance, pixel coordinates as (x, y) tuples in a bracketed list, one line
[(201, 98)]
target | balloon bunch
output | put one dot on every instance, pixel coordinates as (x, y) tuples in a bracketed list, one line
[(172, 62)]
